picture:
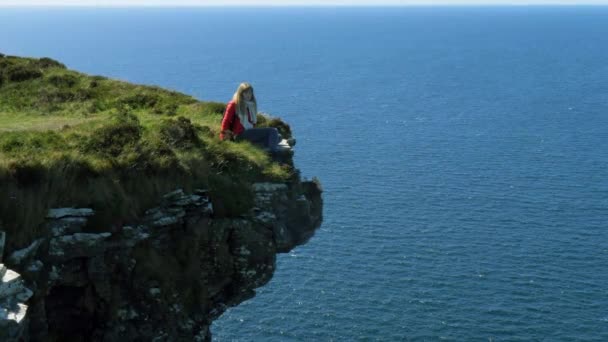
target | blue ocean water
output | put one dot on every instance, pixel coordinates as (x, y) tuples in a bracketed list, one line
[(463, 152)]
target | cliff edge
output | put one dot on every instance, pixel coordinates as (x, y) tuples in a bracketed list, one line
[(123, 218)]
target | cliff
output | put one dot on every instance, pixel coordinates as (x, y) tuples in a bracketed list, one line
[(132, 222)]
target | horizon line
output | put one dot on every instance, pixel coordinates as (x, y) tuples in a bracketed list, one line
[(300, 5)]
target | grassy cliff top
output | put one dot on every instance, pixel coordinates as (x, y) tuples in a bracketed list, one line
[(70, 139)]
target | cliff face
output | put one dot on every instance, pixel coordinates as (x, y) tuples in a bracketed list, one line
[(165, 278)]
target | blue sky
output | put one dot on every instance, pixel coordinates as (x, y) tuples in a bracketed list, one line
[(290, 2)]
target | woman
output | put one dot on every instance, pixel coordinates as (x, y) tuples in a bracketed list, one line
[(240, 120)]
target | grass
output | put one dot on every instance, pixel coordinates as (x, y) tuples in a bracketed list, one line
[(70, 139)]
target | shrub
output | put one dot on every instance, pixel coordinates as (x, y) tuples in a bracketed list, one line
[(48, 139), (262, 119), (168, 109), (11, 143), (179, 133), (139, 101), (49, 96), (98, 105), (277, 123), (152, 158), (65, 80), (206, 130), (111, 139), (46, 62), (83, 94), (5, 62), (215, 107), (29, 143), (20, 73), (160, 150)]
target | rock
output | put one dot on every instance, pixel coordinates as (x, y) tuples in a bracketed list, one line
[(97, 271), (7, 314), (77, 245), (207, 209), (13, 295), (149, 282), (154, 214), (66, 225), (283, 237), (12, 321), (70, 273), (174, 195), (134, 235), (53, 274), (269, 187), (69, 212), (255, 255), (18, 257), (35, 266), (154, 291), (2, 241), (187, 200), (176, 205), (24, 295), (202, 192), (8, 280), (10, 284), (266, 218), (175, 211), (166, 221)]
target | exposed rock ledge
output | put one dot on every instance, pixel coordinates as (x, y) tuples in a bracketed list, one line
[(164, 279)]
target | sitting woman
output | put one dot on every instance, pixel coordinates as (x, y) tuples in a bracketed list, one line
[(240, 120)]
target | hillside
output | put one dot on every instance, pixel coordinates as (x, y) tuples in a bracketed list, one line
[(88, 141)]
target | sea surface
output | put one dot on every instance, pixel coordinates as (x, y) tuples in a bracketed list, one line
[(463, 154)]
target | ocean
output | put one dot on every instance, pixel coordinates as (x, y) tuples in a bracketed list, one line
[(463, 153)]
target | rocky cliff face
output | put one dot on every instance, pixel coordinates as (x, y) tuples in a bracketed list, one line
[(165, 278)]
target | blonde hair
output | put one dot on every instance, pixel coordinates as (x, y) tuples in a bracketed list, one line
[(241, 106)]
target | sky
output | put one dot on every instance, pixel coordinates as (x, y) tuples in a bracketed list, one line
[(122, 3)]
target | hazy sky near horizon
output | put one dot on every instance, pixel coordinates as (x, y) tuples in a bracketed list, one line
[(291, 2)]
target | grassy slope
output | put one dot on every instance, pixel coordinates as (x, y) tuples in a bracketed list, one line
[(69, 139)]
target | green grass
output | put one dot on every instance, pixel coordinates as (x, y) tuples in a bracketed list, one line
[(70, 139)]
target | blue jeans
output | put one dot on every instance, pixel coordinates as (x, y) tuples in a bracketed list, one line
[(267, 137)]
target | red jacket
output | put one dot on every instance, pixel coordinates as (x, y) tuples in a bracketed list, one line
[(231, 121)]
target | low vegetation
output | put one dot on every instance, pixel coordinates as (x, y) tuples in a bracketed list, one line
[(70, 139)]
